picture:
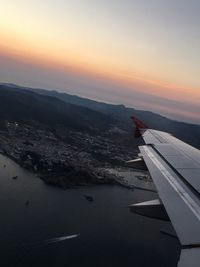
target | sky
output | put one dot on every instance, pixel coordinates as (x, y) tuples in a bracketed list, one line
[(141, 53)]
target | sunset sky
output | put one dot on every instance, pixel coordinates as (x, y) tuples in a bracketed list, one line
[(141, 53)]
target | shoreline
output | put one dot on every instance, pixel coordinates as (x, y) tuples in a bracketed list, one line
[(80, 176)]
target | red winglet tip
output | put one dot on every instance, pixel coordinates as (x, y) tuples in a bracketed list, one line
[(138, 123)]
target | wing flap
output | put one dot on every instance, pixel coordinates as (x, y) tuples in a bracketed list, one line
[(181, 203), (189, 258), (183, 158)]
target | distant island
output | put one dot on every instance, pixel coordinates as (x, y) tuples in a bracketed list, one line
[(71, 141)]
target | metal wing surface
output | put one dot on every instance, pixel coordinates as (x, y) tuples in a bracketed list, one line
[(175, 169)]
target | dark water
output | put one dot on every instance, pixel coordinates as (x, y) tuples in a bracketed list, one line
[(109, 234)]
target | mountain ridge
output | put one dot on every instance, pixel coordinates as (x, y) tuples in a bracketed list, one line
[(119, 115)]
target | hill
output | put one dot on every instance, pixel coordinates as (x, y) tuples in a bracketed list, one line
[(55, 108), (24, 106), (71, 140), (121, 115)]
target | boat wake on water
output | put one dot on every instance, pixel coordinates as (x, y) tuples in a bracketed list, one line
[(50, 241), (59, 239)]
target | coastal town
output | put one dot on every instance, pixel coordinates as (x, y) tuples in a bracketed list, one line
[(65, 157)]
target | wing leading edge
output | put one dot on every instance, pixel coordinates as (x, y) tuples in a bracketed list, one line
[(175, 169)]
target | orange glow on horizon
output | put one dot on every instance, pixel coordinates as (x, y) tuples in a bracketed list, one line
[(51, 58), (158, 88)]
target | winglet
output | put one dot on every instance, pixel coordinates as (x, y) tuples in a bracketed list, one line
[(138, 123)]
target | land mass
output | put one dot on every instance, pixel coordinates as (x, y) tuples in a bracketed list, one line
[(71, 141)]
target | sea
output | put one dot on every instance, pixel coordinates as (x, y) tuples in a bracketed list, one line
[(42, 225)]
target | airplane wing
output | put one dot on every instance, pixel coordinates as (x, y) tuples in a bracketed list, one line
[(175, 169)]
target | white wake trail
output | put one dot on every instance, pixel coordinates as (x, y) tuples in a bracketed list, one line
[(60, 239), (50, 241)]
